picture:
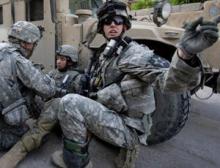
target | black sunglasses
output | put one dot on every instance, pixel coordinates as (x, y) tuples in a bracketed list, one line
[(118, 20)]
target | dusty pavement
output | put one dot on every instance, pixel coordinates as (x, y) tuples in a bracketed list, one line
[(197, 145)]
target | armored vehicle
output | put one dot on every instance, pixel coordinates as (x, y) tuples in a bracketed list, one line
[(74, 22), (184, 13)]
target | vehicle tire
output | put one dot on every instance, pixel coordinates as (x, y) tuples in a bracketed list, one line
[(171, 112), (170, 116)]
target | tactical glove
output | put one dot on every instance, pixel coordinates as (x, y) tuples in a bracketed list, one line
[(198, 36)]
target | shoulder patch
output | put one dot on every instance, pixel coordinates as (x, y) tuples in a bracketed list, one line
[(158, 61)]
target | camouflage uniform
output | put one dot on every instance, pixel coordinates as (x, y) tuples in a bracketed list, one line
[(71, 84), (69, 78), (19, 80), (126, 104), (48, 118), (124, 99), (123, 79), (121, 111)]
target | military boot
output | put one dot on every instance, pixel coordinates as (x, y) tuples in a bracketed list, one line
[(13, 156), (74, 155), (57, 159)]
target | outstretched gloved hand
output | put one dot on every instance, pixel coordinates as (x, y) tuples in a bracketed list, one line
[(198, 36)]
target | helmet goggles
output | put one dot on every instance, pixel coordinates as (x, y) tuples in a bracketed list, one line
[(118, 20)]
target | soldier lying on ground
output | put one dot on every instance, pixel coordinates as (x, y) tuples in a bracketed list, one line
[(19, 82), (121, 99)]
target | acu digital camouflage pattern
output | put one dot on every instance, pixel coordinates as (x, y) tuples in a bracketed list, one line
[(69, 80), (25, 31), (68, 51), (48, 117), (135, 77), (18, 80), (33, 138)]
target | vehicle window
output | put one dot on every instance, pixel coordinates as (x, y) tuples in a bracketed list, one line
[(1, 15), (96, 4), (34, 10), (84, 4), (76, 4)]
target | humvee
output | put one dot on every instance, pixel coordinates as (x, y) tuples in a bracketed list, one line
[(182, 14), (74, 22)]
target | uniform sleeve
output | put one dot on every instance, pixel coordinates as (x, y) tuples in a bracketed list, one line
[(34, 79), (180, 76)]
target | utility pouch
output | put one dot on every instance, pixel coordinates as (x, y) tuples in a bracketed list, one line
[(139, 98), (16, 113), (112, 98), (14, 109)]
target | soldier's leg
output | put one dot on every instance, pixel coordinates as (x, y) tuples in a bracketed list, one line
[(33, 138), (77, 116), (47, 120)]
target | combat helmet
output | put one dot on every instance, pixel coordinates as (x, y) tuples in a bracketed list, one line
[(112, 8), (25, 31), (68, 51)]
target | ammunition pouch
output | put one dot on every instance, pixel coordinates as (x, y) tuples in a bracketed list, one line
[(112, 98), (139, 98), (16, 113)]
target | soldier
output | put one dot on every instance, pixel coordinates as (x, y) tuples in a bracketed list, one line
[(19, 79), (211, 80), (121, 91), (66, 77), (66, 74), (122, 82)]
